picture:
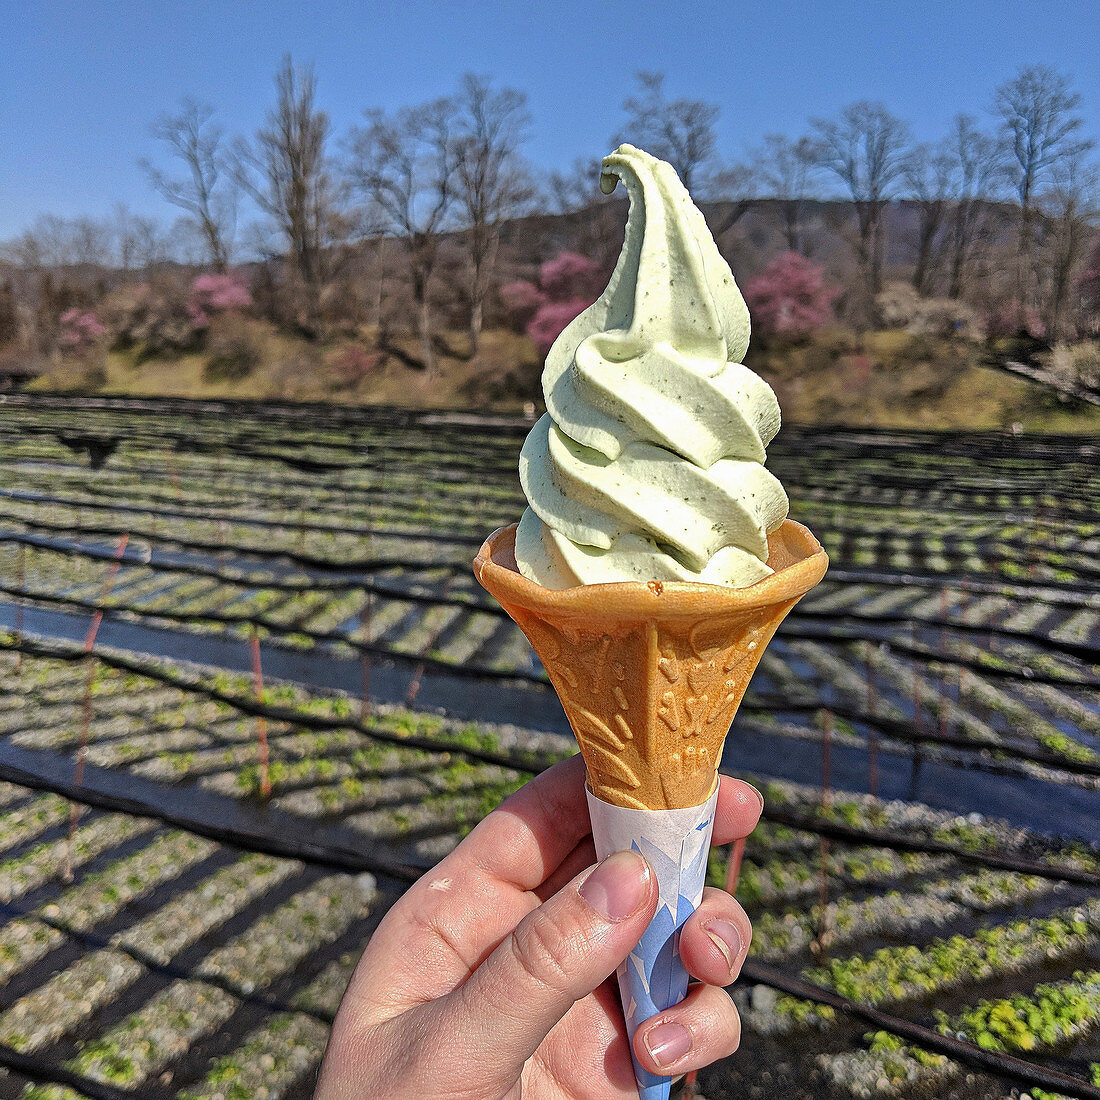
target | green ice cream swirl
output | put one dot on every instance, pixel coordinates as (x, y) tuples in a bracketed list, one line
[(649, 462)]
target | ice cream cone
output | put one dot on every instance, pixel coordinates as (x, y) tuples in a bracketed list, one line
[(651, 674)]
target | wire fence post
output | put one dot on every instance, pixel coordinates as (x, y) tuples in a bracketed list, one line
[(364, 658), (872, 729), (733, 870), (414, 685), (261, 719), (21, 576), (817, 947), (1033, 547), (942, 678), (917, 715), (86, 706)]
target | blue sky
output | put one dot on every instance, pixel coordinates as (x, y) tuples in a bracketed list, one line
[(80, 82)]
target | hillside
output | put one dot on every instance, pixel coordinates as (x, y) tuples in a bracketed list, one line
[(890, 379)]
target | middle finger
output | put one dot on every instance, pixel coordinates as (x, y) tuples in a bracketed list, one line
[(715, 939)]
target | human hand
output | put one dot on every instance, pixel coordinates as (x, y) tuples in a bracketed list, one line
[(493, 975)]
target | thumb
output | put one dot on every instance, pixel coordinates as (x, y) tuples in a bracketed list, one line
[(555, 956)]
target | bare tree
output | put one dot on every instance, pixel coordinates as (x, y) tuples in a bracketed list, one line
[(680, 131), (1067, 207), (1039, 130), (87, 247), (125, 238), (46, 244), (977, 168), (9, 313), (206, 190), (139, 242), (576, 188), (57, 260), (784, 167), (287, 173), (598, 224), (152, 242), (56, 237), (21, 252), (404, 166), (492, 183), (25, 255), (928, 175), (89, 243), (865, 149), (83, 245), (731, 191)]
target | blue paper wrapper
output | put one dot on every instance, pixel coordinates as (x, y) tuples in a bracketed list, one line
[(675, 843)]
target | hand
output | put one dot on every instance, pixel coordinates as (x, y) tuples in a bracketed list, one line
[(490, 977)]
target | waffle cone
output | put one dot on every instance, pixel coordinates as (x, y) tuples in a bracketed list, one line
[(651, 674)]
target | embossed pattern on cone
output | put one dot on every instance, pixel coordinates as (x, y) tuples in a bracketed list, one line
[(651, 675)]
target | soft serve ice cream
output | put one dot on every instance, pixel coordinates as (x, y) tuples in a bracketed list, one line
[(649, 463)]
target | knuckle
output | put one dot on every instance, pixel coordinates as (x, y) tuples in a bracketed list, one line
[(542, 948), (714, 1021), (727, 1027)]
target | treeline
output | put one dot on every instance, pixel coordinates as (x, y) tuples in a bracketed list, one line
[(415, 219)]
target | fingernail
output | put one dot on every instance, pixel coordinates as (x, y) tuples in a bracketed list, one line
[(758, 795), (618, 886), (668, 1043), (727, 939)]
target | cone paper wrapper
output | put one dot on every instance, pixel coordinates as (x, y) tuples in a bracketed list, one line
[(676, 844)]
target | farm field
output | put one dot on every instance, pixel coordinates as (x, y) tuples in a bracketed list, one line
[(185, 583)]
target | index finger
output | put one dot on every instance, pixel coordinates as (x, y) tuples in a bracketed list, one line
[(450, 920), (740, 805), (524, 840), (529, 835)]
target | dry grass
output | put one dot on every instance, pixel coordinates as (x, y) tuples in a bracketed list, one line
[(502, 376), (891, 379), (895, 380)]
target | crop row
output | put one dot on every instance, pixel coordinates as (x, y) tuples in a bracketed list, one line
[(256, 428), (438, 513), (901, 973), (894, 913), (851, 461), (984, 713), (1050, 1017), (115, 693)]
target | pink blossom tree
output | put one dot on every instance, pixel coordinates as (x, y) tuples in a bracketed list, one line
[(214, 294), (550, 321), (567, 285), (354, 363), (570, 275), (521, 301), (791, 296), (80, 331)]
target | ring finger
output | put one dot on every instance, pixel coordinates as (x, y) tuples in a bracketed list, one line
[(701, 1029)]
